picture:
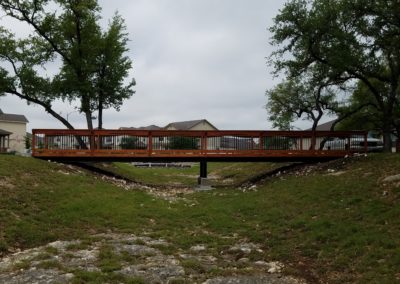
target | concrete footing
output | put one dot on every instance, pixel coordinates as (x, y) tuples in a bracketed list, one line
[(203, 184)]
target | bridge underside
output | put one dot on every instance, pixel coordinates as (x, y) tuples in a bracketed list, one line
[(272, 158)]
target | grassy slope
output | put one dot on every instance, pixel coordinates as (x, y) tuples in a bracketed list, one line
[(332, 228), (220, 174)]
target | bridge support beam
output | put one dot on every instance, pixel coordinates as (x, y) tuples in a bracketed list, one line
[(203, 183), (203, 169)]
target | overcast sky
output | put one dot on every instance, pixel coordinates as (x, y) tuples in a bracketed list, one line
[(192, 59)]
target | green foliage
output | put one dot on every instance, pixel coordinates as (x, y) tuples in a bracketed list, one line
[(3, 246), (307, 98), (94, 63), (229, 174), (108, 260), (343, 42), (183, 143), (277, 143), (132, 143), (113, 68), (193, 265), (339, 225), (363, 110), (94, 277), (28, 142)]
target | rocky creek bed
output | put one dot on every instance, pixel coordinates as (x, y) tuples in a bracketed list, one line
[(126, 258)]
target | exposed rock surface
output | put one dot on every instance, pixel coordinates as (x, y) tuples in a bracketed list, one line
[(130, 257), (268, 279), (394, 178)]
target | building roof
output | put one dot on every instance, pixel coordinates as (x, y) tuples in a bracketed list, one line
[(186, 125), (12, 117), (324, 126), (150, 127), (4, 132)]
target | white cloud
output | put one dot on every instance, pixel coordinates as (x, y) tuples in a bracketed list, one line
[(192, 59)]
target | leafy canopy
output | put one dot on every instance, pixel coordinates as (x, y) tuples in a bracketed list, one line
[(343, 41), (93, 66)]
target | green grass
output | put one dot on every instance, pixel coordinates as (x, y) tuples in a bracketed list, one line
[(325, 228), (82, 276), (109, 261), (220, 174)]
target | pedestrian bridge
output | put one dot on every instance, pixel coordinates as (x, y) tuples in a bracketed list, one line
[(165, 145)]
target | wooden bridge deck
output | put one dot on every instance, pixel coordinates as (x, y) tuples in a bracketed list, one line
[(162, 145)]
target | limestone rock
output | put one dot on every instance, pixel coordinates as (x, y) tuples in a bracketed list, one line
[(394, 178)]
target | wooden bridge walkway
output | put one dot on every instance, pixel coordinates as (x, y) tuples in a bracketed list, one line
[(163, 145)]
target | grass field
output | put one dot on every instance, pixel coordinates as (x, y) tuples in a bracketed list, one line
[(219, 174), (337, 223)]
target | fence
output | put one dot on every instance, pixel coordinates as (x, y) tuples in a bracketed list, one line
[(199, 144)]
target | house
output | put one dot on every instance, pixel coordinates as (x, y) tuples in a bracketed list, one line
[(324, 126), (150, 127), (161, 142), (4, 140), (136, 142), (202, 124), (213, 143), (307, 141), (12, 131)]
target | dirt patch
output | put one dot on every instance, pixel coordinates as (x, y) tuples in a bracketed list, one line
[(6, 183)]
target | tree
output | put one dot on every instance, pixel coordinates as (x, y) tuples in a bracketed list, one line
[(113, 67), (309, 98), (28, 142), (364, 112), (347, 41), (300, 98), (72, 36)]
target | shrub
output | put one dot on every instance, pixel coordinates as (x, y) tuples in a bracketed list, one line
[(132, 143), (184, 143), (277, 143)]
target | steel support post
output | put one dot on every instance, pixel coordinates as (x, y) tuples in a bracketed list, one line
[(203, 169)]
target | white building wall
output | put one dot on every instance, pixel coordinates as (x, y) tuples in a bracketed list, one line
[(17, 138)]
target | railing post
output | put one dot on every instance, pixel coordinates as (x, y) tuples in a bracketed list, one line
[(99, 141), (46, 142), (204, 143), (91, 137), (150, 144), (365, 142), (301, 142), (33, 145), (348, 143)]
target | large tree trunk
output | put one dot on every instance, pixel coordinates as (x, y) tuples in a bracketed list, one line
[(89, 121), (100, 118), (46, 106), (49, 110), (387, 137), (314, 128)]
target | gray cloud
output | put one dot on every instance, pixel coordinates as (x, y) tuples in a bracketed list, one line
[(192, 59)]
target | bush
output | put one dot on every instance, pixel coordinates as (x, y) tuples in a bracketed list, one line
[(184, 143), (277, 143), (132, 143)]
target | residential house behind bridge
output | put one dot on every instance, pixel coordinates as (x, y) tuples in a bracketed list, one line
[(12, 132)]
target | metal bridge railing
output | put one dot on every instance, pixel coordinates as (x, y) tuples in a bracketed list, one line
[(201, 144)]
